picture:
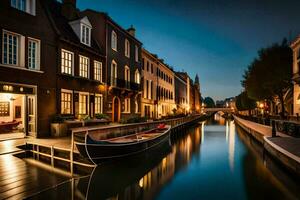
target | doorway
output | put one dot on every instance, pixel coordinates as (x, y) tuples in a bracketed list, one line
[(116, 110)]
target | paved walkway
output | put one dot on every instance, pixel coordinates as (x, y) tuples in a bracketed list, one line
[(287, 143)]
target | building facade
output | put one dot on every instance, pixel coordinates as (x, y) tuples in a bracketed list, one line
[(165, 90), (123, 65), (27, 68), (296, 75), (149, 107), (181, 94)]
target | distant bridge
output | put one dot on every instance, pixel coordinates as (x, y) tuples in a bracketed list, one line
[(218, 109)]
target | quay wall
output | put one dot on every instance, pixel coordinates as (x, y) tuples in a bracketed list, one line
[(285, 158)]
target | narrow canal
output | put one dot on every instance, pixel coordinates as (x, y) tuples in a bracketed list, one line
[(213, 160)]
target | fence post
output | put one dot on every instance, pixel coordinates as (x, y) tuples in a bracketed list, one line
[(273, 129)]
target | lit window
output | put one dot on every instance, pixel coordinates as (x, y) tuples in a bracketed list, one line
[(85, 35), (98, 71), (137, 77), (127, 48), (127, 105), (84, 63), (10, 48), (136, 54), (66, 102), (33, 54), (114, 40), (83, 99), (67, 60), (4, 109), (98, 104)]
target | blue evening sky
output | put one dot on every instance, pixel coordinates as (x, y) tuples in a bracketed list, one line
[(215, 38)]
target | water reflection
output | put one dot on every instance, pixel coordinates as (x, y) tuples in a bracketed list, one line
[(213, 160)]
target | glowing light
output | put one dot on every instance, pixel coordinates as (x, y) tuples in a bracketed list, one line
[(141, 182)]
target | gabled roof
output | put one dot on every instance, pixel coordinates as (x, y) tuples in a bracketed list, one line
[(62, 27), (85, 20)]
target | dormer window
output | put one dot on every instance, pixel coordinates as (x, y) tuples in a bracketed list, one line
[(83, 29), (27, 6), (85, 35)]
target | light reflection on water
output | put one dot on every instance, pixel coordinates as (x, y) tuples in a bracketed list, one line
[(213, 160)]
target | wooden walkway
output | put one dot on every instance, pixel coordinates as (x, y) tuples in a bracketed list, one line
[(19, 179)]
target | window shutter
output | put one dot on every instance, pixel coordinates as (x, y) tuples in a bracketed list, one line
[(22, 51)]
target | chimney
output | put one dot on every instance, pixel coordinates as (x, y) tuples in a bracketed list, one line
[(131, 31), (69, 9)]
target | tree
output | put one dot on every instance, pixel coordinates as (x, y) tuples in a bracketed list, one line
[(243, 102), (209, 102), (270, 73)]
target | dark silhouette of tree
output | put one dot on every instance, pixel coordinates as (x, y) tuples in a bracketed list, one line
[(243, 102), (209, 102), (270, 73)]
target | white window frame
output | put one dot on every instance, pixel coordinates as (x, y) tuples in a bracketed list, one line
[(127, 73), (127, 105), (80, 104), (85, 37), (84, 66), (98, 71), (63, 103), (127, 48), (19, 49), (114, 73), (136, 53), (137, 77), (65, 61), (37, 52), (98, 110), (114, 41)]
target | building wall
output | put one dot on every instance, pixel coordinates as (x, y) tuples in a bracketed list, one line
[(149, 96), (296, 77), (180, 94), (37, 27), (165, 104)]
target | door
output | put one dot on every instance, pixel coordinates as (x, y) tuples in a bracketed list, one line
[(31, 116), (116, 112)]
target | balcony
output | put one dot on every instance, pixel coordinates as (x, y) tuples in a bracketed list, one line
[(121, 83)]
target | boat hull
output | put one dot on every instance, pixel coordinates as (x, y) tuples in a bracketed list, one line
[(101, 153)]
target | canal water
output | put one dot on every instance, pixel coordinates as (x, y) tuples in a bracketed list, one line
[(212, 160)]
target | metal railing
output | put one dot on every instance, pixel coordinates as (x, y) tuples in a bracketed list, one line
[(122, 83)]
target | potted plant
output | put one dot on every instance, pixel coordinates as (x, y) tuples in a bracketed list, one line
[(58, 127)]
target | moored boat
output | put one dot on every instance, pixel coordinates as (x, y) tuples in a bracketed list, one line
[(98, 147)]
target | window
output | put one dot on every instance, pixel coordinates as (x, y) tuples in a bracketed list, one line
[(85, 35), (127, 48), (151, 68), (66, 102), (114, 40), (136, 53), (83, 99), (67, 62), (137, 78), (127, 77), (98, 104), (298, 61), (98, 71), (4, 109), (114, 73), (10, 48), (24, 5), (127, 105), (33, 54), (84, 63)]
